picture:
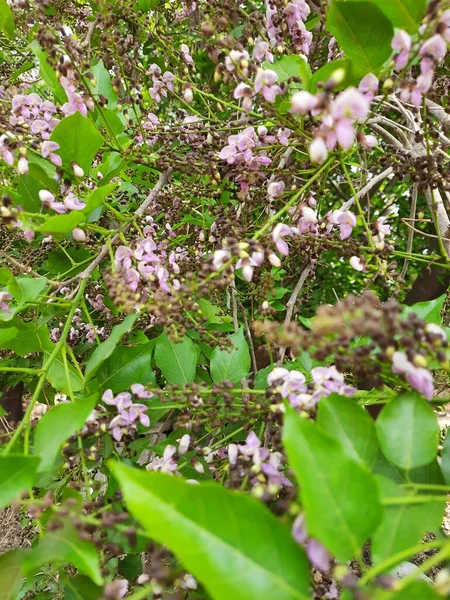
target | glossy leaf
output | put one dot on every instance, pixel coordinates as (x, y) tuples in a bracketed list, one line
[(56, 426), (340, 497), (231, 364), (363, 32), (177, 361), (65, 546), (231, 542), (403, 525), (79, 141), (17, 474), (346, 421), (408, 431), (10, 574), (428, 311), (7, 24), (104, 350), (125, 366)]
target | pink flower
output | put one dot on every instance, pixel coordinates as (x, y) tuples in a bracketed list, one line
[(345, 133), (276, 188), (303, 102), (244, 91), (383, 227), (350, 104), (278, 233), (435, 48), (73, 203), (401, 41), (346, 221), (357, 263), (264, 83), (185, 54), (369, 86), (261, 51)]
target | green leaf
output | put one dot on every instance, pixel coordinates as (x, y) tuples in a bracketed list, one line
[(10, 574), (7, 24), (418, 590), (428, 311), (343, 419), (104, 350), (231, 364), (30, 337), (56, 426), (126, 365), (79, 141), (103, 85), (404, 14), (326, 71), (81, 588), (26, 289), (340, 497), (57, 376), (47, 72), (445, 463), (64, 546), (10, 333), (17, 474), (403, 525), (177, 361), (231, 542), (408, 431), (363, 32), (291, 65)]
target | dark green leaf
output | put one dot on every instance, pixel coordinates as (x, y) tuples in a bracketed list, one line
[(340, 497), (343, 419), (126, 365), (10, 574), (231, 364), (8, 334), (56, 426), (216, 532), (7, 24), (363, 32), (408, 431), (79, 141), (104, 350), (403, 525), (17, 474), (81, 588), (65, 546), (177, 361)]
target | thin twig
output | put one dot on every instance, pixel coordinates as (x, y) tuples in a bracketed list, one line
[(307, 268), (24, 268), (369, 185), (250, 340)]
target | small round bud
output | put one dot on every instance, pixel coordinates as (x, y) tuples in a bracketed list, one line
[(78, 235)]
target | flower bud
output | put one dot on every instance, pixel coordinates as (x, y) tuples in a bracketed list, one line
[(46, 196), (188, 95), (22, 165), (77, 170), (78, 235)]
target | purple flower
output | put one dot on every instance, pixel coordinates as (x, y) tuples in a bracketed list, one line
[(346, 221), (418, 378), (369, 86), (261, 51), (276, 188), (5, 298), (278, 233), (435, 48), (140, 391), (264, 83), (350, 104), (317, 554)]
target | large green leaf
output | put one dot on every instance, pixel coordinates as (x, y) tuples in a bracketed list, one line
[(125, 366), (103, 85), (65, 546), (408, 431), (8, 334), (104, 350), (233, 363), (363, 32), (404, 14), (403, 525), (79, 141), (291, 65), (342, 418), (229, 541), (56, 426), (177, 361), (340, 497), (7, 24), (10, 574), (326, 71), (429, 311), (30, 337), (57, 376), (17, 474)]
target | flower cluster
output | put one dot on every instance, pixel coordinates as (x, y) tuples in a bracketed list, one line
[(249, 257), (129, 413), (167, 463), (267, 467), (69, 203), (339, 117), (293, 16), (80, 331), (161, 83), (315, 551), (150, 261), (291, 385), (265, 84), (76, 102), (431, 52)]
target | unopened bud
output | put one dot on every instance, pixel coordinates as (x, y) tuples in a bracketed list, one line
[(78, 235), (22, 165), (46, 196), (188, 95), (78, 171)]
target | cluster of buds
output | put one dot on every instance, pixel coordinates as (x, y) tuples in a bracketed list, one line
[(249, 254), (161, 83)]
